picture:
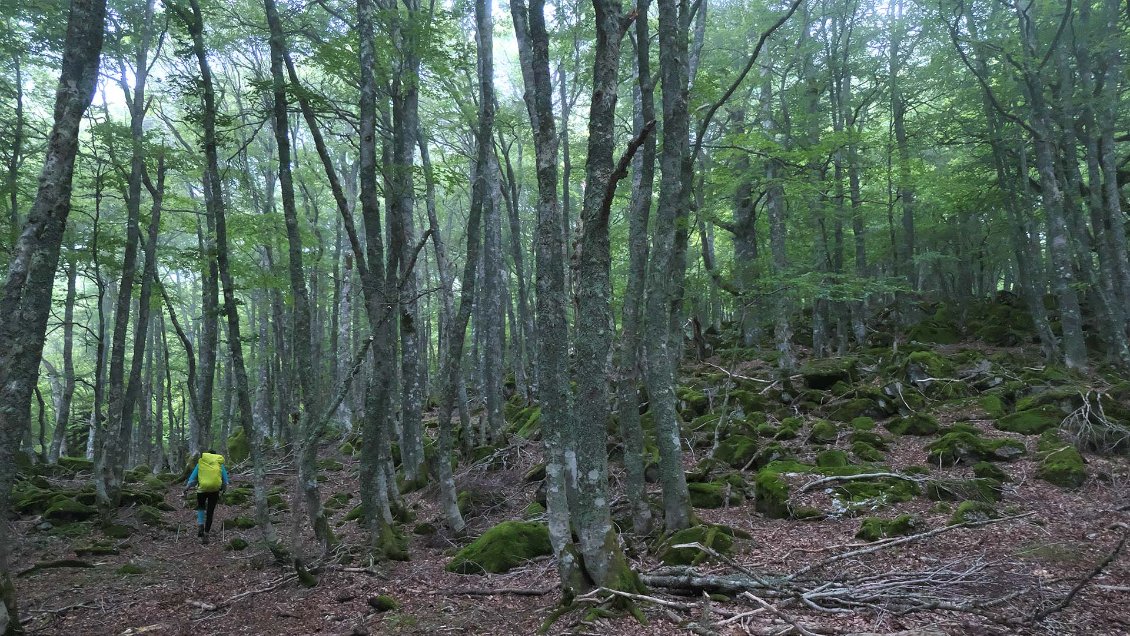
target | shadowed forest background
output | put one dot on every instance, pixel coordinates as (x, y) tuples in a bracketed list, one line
[(804, 316)]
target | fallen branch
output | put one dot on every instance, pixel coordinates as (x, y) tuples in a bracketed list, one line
[(1041, 615), (839, 478), (513, 591), (62, 563), (207, 607), (802, 630), (738, 376), (212, 607), (881, 545)]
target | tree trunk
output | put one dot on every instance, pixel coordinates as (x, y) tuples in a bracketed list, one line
[(67, 386), (26, 302)]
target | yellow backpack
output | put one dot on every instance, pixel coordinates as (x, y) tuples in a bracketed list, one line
[(209, 472)]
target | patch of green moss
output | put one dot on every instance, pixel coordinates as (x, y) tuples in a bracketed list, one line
[(337, 501), (962, 447), (823, 432), (383, 603), (75, 464), (239, 447), (130, 569), (714, 494), (915, 424), (832, 459), (857, 408), (875, 528), (771, 494), (993, 405), (987, 470), (736, 450), (66, 509), (1031, 422), (237, 496), (330, 464), (863, 424), (237, 544), (715, 537), (824, 374), (346, 449), (867, 437), (972, 512), (502, 548), (692, 402), (240, 523), (878, 491), (789, 428), (1060, 463), (535, 509), (935, 332), (117, 531), (866, 452), (149, 515)]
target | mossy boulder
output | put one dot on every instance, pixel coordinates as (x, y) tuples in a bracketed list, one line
[(383, 603), (875, 528), (239, 447), (866, 452), (994, 406), (857, 408), (530, 428), (149, 516), (736, 450), (714, 494), (823, 432), (976, 489), (863, 424), (868, 437), (988, 470), (330, 464), (502, 548), (1060, 463), (771, 493), (935, 332), (75, 464), (237, 496), (773, 452), (716, 537), (692, 402), (962, 447), (237, 544), (532, 511), (239, 523), (117, 531), (1032, 421), (65, 509), (337, 501), (914, 424), (876, 492), (972, 512), (922, 368), (824, 374), (832, 459)]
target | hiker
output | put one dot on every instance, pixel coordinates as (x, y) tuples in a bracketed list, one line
[(211, 478)]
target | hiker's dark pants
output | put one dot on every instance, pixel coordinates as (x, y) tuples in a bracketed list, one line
[(207, 501)]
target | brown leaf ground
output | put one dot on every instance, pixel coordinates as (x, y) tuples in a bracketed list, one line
[(1069, 532)]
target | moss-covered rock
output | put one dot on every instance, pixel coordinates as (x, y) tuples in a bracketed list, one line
[(832, 459), (1060, 463), (237, 544), (915, 424), (823, 432), (692, 402), (237, 496), (988, 470), (962, 447), (149, 515), (130, 569), (502, 548), (994, 406), (531, 427), (714, 494), (383, 603), (875, 528), (866, 452), (65, 509), (771, 494), (337, 501), (346, 449), (239, 523), (857, 408), (239, 447), (1032, 421), (736, 450), (117, 531), (876, 492), (824, 374), (868, 437), (976, 489), (789, 428), (716, 537), (330, 464), (972, 512), (935, 332), (75, 465), (535, 509)]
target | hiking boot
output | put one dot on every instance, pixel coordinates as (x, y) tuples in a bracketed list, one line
[(200, 531), (205, 539)]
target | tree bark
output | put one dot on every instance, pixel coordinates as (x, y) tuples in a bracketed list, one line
[(26, 301)]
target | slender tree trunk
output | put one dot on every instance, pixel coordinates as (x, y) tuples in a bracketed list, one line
[(552, 299), (67, 386), (664, 283)]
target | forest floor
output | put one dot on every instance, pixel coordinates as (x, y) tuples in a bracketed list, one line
[(1047, 540)]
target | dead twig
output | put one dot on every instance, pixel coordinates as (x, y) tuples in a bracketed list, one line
[(512, 591), (802, 630), (841, 478), (1041, 615)]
